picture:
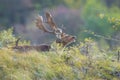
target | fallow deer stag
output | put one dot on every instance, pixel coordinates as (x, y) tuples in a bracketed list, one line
[(62, 38)]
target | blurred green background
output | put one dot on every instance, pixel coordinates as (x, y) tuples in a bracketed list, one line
[(97, 19)]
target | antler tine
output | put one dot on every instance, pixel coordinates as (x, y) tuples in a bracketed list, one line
[(40, 25), (50, 21), (52, 24)]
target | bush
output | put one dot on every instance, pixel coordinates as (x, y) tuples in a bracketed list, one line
[(60, 64), (7, 38)]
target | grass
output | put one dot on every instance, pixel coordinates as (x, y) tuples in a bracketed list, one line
[(60, 64)]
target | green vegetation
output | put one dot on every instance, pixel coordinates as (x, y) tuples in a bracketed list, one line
[(69, 64), (8, 39), (101, 23), (96, 55), (81, 62)]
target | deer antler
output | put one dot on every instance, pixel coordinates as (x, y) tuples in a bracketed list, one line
[(50, 21), (40, 25), (52, 24), (61, 36)]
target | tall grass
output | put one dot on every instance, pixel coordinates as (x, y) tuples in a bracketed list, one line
[(81, 62), (60, 64)]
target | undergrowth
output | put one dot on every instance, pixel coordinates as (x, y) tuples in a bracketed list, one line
[(84, 61), (69, 64), (7, 39)]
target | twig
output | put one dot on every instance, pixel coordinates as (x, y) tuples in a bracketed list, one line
[(118, 59)]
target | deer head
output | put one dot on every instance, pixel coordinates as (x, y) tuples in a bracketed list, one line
[(62, 37)]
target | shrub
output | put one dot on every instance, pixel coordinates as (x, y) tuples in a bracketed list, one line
[(60, 64), (7, 38)]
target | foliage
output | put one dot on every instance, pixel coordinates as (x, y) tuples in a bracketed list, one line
[(85, 61), (115, 23), (94, 20), (8, 39), (39, 4), (60, 64), (75, 4), (100, 23)]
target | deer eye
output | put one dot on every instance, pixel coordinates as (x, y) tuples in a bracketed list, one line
[(74, 37)]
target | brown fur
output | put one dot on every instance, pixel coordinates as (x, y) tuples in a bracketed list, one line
[(26, 48), (66, 40)]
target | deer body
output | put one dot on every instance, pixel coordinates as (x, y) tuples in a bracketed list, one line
[(26, 48)]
